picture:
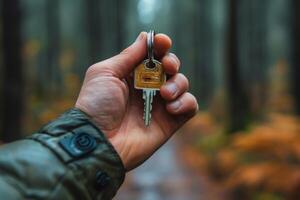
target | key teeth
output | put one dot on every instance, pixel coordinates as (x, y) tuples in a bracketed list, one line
[(148, 99)]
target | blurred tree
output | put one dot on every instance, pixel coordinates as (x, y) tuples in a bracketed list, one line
[(120, 14), (295, 43), (238, 106), (252, 43), (183, 24), (94, 30), (53, 44), (12, 76), (1, 68), (204, 49)]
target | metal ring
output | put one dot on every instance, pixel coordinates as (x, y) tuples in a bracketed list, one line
[(150, 45)]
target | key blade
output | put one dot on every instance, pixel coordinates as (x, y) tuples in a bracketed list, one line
[(148, 94), (146, 97)]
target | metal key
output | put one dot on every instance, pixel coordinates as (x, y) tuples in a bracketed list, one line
[(148, 95), (149, 76)]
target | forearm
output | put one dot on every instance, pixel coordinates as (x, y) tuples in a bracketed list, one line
[(67, 159)]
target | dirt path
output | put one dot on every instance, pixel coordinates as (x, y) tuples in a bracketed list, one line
[(164, 177)]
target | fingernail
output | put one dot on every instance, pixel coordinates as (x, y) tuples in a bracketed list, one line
[(175, 105), (140, 37), (172, 88)]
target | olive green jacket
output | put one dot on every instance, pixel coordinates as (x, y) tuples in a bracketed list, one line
[(69, 158)]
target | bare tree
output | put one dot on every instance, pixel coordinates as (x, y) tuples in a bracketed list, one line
[(203, 48), (295, 42), (120, 13), (53, 44), (12, 92), (238, 106), (94, 30)]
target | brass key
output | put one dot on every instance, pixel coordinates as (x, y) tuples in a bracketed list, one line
[(149, 77)]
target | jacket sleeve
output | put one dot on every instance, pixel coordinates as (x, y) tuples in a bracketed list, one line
[(69, 158)]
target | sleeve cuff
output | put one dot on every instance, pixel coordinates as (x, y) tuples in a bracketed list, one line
[(85, 150)]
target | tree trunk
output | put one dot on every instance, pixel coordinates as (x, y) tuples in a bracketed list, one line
[(204, 53), (94, 30), (120, 7), (53, 45), (295, 43), (12, 92), (257, 55), (238, 108)]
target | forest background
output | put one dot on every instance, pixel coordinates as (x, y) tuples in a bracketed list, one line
[(242, 58)]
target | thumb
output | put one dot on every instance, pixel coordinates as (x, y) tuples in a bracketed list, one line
[(123, 63)]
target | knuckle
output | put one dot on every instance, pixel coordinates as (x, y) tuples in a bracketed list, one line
[(91, 70), (126, 51), (189, 97), (194, 103), (191, 100), (183, 80), (182, 77), (125, 57), (176, 57)]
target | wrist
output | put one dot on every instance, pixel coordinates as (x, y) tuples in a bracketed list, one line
[(115, 145)]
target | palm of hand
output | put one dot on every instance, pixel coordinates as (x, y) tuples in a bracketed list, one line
[(118, 112)]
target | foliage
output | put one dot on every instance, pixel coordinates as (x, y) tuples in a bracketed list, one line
[(41, 110), (260, 163)]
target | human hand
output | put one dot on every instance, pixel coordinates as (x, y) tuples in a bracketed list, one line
[(109, 98)]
